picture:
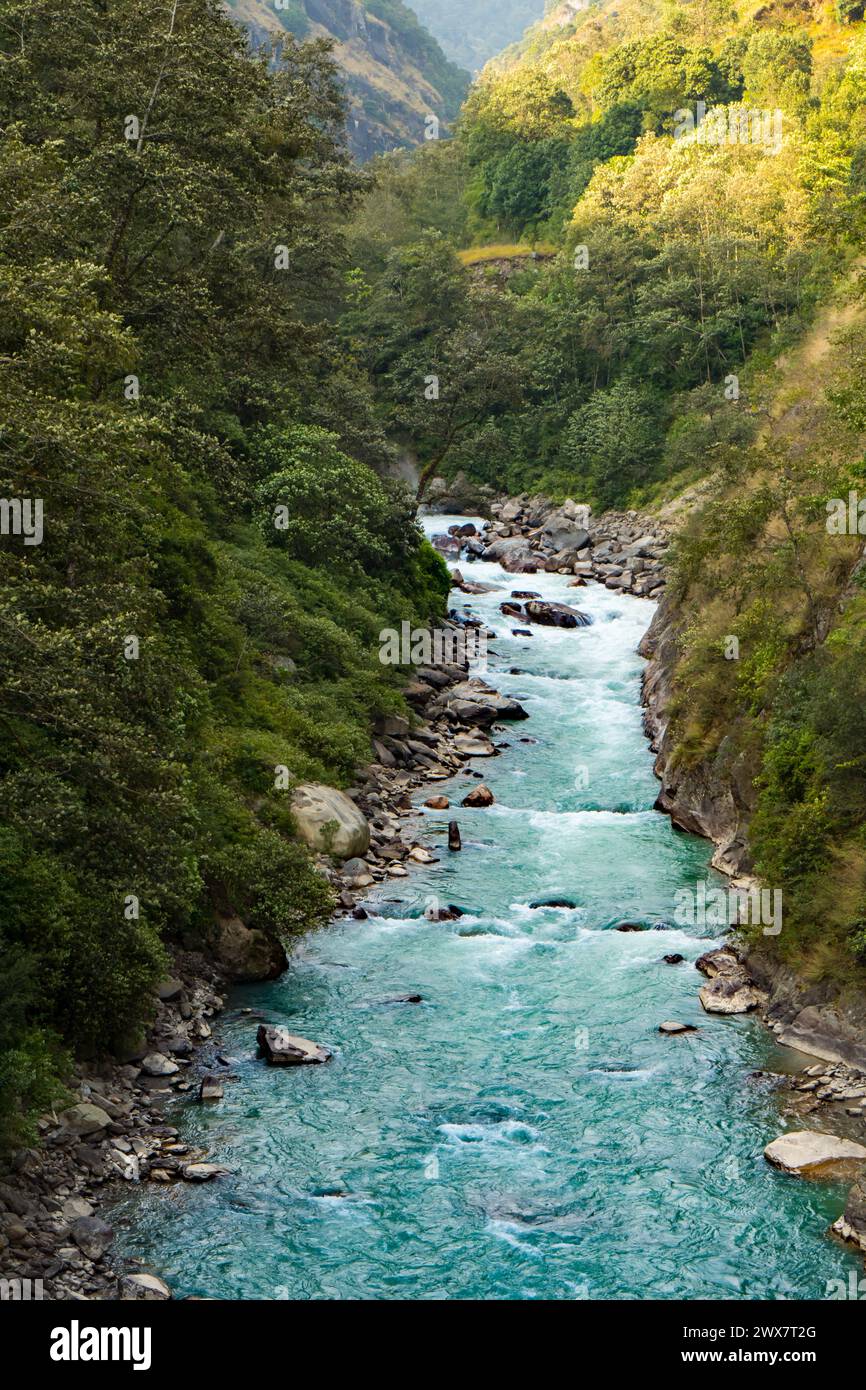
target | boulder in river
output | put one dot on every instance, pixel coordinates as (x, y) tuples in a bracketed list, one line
[(514, 554), (143, 1285), (731, 989), (454, 841), (437, 803), (451, 913), (722, 961), (729, 994), (474, 586), (556, 614), (474, 745), (329, 821), (814, 1155), (475, 702), (674, 958), (202, 1172), (479, 797), (671, 1028), (471, 712), (280, 1048), (552, 902)]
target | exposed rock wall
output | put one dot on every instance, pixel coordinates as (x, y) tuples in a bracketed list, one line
[(714, 798)]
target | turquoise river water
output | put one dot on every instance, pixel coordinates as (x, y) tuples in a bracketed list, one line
[(526, 1132)]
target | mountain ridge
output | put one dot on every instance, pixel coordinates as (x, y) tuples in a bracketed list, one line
[(395, 75)]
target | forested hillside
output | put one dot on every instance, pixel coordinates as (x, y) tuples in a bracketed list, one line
[(689, 336), (631, 278), (172, 266)]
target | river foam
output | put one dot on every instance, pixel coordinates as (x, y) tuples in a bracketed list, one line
[(526, 1132)]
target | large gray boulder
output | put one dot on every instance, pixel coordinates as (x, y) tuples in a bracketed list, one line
[(329, 821), (143, 1285), (92, 1235), (731, 995), (475, 702), (556, 614), (514, 554), (567, 538), (814, 1155), (731, 989), (280, 1048), (84, 1119), (247, 953)]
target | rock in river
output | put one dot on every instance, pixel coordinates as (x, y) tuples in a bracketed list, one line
[(281, 1048), (556, 614), (730, 995), (731, 989), (814, 1155), (671, 1028), (479, 796), (475, 745), (202, 1172), (143, 1285), (211, 1088)]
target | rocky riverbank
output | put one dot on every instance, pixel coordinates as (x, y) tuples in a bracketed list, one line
[(56, 1199), (55, 1203), (527, 535), (716, 800)]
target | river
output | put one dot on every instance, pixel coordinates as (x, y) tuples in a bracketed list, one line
[(526, 1132)]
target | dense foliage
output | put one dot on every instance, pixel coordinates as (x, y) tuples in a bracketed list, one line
[(218, 334), (171, 264), (682, 251)]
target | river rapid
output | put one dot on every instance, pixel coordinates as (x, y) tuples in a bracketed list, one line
[(525, 1132)]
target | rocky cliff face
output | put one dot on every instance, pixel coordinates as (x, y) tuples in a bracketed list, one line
[(713, 798), (396, 76)]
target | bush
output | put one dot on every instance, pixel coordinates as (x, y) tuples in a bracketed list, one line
[(271, 884)]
